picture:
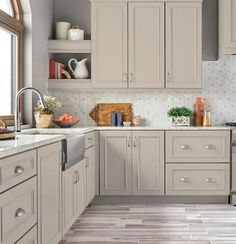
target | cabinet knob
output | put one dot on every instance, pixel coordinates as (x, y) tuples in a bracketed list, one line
[(129, 141), (168, 77), (210, 147), (90, 139), (75, 177), (19, 212), (86, 162), (185, 179), (19, 170), (135, 141), (210, 180), (185, 147)]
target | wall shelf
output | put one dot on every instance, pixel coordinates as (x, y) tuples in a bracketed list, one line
[(66, 46), (69, 83)]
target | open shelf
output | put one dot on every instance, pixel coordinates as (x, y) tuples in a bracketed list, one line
[(69, 83), (66, 46)]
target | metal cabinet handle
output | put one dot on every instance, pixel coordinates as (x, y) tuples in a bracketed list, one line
[(210, 180), (78, 176), (90, 139), (185, 147), (125, 77), (75, 177), (210, 147), (185, 179), (168, 77), (129, 141), (19, 212), (86, 162), (131, 76), (19, 170), (135, 141), (63, 157)]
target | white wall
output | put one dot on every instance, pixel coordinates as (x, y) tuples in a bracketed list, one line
[(38, 18)]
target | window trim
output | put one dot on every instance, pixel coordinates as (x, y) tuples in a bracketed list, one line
[(14, 24)]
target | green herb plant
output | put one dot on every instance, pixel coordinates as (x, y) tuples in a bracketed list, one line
[(180, 111)]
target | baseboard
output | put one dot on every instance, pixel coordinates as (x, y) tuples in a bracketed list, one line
[(162, 200)]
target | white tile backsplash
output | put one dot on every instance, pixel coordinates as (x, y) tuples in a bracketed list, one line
[(219, 91)]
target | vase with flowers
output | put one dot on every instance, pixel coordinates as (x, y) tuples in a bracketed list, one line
[(44, 116)]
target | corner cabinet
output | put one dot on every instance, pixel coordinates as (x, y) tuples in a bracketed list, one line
[(227, 27), (146, 44), (124, 168)]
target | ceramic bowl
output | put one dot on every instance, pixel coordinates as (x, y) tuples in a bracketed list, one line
[(127, 123)]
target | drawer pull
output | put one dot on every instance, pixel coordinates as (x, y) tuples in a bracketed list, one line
[(210, 147), (19, 212), (210, 180), (90, 139), (185, 147), (185, 179), (19, 170)]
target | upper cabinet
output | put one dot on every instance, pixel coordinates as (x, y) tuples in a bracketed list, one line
[(227, 27), (109, 45), (183, 44), (139, 44), (146, 45)]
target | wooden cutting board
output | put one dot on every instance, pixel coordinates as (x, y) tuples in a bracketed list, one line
[(102, 112)]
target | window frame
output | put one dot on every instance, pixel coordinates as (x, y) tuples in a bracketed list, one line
[(14, 24)]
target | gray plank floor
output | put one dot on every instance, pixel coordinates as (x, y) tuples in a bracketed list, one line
[(151, 224)]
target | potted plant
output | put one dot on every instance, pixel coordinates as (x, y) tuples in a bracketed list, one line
[(180, 116), (44, 116)]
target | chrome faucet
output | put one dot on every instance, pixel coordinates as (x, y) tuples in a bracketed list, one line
[(17, 113)]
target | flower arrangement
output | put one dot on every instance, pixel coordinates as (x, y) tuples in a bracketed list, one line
[(52, 104)]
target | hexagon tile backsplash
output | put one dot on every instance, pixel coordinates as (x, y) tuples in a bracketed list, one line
[(218, 91)]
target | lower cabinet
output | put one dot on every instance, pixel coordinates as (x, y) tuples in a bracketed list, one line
[(29, 238), (73, 194), (90, 174), (49, 194), (198, 179), (18, 211), (132, 163)]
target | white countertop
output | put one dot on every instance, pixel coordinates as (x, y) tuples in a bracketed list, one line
[(33, 138), (26, 142)]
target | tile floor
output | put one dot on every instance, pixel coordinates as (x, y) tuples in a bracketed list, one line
[(155, 224)]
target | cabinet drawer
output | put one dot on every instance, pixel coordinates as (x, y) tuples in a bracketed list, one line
[(29, 238), (198, 146), (197, 179), (89, 139), (18, 168), (18, 211)]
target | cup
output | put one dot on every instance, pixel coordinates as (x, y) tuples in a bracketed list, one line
[(62, 30), (75, 34)]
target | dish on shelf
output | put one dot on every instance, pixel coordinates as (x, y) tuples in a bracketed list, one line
[(65, 120)]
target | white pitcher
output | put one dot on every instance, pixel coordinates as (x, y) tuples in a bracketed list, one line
[(80, 71)]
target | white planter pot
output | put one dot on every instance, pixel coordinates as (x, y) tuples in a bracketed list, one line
[(180, 121)]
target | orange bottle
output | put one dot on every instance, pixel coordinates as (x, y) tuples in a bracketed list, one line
[(198, 112)]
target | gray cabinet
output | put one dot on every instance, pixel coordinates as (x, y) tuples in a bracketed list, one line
[(183, 44), (148, 162), (227, 27), (49, 194), (132, 163), (115, 163), (109, 44)]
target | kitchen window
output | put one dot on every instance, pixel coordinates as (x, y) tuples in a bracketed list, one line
[(11, 53)]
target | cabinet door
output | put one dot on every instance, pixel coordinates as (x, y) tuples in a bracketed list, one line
[(227, 25), (146, 45), (183, 45), (80, 188), (90, 174), (148, 162), (29, 238), (109, 44), (115, 163), (69, 215), (49, 194)]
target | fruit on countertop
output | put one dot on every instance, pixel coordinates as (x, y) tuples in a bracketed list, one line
[(65, 120)]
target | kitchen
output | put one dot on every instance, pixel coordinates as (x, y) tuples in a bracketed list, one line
[(148, 89)]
